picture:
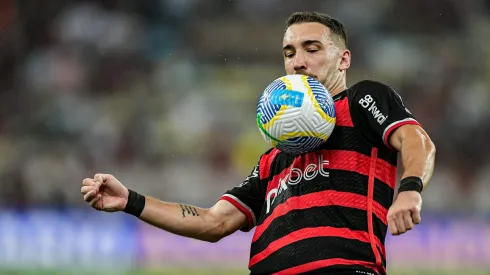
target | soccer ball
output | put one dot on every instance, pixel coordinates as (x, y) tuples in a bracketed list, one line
[(296, 114)]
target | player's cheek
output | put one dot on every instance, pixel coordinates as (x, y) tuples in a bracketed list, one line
[(288, 66)]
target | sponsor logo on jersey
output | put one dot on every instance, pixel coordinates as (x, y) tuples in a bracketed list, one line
[(296, 176), (368, 102)]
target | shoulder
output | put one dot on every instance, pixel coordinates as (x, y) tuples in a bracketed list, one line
[(372, 87), (265, 162), (367, 91), (270, 153)]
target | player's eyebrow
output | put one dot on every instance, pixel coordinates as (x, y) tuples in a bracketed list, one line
[(288, 47), (304, 44), (309, 42)]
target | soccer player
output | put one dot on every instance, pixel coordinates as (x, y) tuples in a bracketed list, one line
[(323, 212)]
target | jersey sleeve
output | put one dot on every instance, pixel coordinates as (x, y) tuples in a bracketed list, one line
[(378, 110), (248, 197)]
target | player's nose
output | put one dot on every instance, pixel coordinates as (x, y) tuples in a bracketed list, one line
[(299, 63)]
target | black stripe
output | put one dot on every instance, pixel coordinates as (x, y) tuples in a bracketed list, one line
[(383, 258), (383, 194), (334, 216), (338, 180), (379, 229), (348, 139), (388, 155), (314, 249)]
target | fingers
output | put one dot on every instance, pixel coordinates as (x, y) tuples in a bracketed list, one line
[(88, 182), (101, 177), (85, 189), (95, 200), (404, 214), (403, 221), (89, 189), (400, 223), (90, 195), (416, 218), (407, 219), (392, 226)]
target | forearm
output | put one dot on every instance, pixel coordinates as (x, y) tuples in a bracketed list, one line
[(418, 155), (183, 220)]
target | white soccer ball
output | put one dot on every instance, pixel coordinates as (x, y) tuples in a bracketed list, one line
[(296, 114)]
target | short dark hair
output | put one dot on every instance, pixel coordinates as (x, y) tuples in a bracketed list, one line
[(333, 24)]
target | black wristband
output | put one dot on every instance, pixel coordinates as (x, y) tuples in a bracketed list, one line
[(136, 203), (411, 184)]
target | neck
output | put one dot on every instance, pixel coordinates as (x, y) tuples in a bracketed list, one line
[(337, 87), (337, 90)]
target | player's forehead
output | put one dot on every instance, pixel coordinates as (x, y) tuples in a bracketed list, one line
[(298, 33)]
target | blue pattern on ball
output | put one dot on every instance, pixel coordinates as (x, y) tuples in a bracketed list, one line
[(300, 144), (322, 96), (265, 107)]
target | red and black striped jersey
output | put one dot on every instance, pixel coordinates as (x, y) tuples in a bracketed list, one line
[(324, 212)]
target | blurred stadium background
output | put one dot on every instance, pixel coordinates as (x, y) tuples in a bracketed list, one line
[(162, 94)]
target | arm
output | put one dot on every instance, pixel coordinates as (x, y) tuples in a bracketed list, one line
[(381, 112), (235, 210), (418, 154), (417, 151), (209, 225)]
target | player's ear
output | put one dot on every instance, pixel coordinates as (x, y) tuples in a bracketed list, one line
[(344, 60)]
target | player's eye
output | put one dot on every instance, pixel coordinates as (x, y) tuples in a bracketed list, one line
[(312, 50), (289, 55)]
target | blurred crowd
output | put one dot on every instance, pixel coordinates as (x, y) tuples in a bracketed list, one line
[(162, 93)]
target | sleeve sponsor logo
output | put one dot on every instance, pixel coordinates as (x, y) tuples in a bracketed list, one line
[(368, 102)]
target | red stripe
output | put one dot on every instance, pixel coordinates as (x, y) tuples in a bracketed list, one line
[(359, 163), (339, 160), (370, 200), (325, 263), (343, 113), (319, 199), (242, 209), (266, 162), (393, 128), (306, 233)]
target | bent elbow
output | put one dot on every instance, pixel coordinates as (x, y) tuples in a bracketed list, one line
[(214, 239), (428, 144), (431, 147), (215, 235), (211, 237)]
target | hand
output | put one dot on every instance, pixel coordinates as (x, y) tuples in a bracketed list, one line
[(405, 212), (105, 193)]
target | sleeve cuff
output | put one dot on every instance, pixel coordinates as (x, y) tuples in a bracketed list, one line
[(395, 125), (243, 208)]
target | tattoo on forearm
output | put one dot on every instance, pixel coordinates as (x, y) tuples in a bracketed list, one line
[(188, 210)]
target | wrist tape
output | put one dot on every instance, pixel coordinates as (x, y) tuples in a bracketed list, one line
[(411, 184), (135, 204)]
